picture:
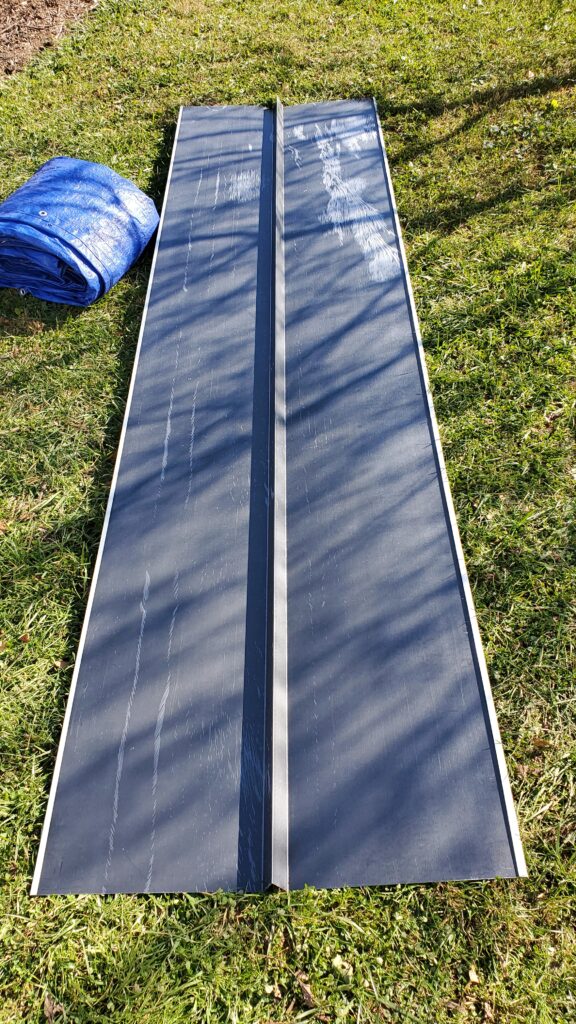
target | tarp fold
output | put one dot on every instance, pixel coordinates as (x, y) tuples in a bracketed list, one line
[(72, 231)]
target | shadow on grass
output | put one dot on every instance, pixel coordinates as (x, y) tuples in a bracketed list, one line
[(435, 104), (444, 219), (87, 529)]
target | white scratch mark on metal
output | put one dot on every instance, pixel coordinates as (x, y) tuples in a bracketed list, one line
[(191, 446), (355, 138), (295, 155), (348, 211), (298, 132), (169, 416), (190, 226), (158, 732), (124, 736), (244, 186)]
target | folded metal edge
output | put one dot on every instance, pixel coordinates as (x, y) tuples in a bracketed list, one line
[(478, 651), (279, 823), (65, 725)]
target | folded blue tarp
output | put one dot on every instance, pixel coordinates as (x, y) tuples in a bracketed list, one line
[(72, 231)]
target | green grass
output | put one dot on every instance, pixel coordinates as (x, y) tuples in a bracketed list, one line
[(478, 112)]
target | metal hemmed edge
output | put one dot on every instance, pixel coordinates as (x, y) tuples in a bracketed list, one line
[(66, 722)]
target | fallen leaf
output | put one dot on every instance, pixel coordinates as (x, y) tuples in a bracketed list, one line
[(52, 1009), (61, 664), (273, 990), (540, 744), (305, 990), (488, 1012), (342, 965), (530, 75), (3, 526), (551, 417), (472, 974), (24, 639)]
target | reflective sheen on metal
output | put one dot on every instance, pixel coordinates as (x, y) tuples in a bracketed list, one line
[(280, 678)]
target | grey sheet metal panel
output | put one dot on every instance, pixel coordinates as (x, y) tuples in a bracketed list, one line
[(294, 691), (160, 778), (396, 771)]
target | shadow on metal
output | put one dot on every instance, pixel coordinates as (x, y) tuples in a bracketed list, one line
[(395, 773)]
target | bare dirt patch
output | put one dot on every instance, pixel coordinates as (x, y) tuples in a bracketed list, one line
[(26, 26)]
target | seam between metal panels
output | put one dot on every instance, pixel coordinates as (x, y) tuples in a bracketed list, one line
[(478, 651), (279, 824), (66, 722), (268, 638)]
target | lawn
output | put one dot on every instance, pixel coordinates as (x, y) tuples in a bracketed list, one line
[(477, 102)]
